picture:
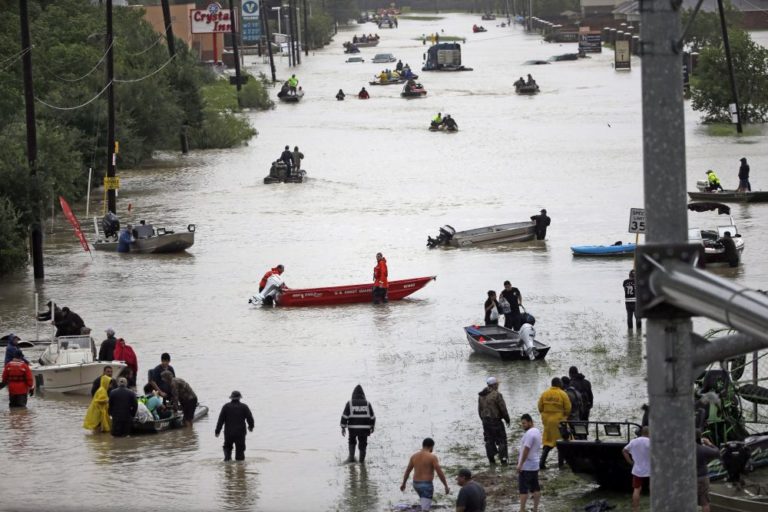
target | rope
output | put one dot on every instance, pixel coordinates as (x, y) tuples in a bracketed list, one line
[(89, 72), (133, 80), (78, 106)]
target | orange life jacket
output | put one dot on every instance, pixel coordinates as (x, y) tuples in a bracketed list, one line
[(19, 377), (380, 274)]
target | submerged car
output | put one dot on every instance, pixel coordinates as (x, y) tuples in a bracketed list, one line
[(381, 58)]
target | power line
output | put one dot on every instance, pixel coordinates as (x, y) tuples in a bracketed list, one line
[(78, 106), (145, 50), (133, 80), (88, 73), (15, 59)]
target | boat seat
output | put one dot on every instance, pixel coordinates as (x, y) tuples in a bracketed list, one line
[(143, 231)]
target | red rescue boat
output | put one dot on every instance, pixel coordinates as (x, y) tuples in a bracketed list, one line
[(349, 294)]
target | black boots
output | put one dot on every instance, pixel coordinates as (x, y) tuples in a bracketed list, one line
[(227, 455), (351, 457), (543, 460), (362, 455)]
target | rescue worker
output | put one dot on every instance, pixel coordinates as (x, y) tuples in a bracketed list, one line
[(519, 83), (574, 395), (554, 407), (123, 405), (492, 410), (340, 95), (359, 418), (585, 388), (107, 349), (630, 300), (542, 221), (156, 381), (293, 82), (731, 254), (287, 158), (713, 182), (18, 377), (530, 80), (513, 299), (450, 123), (399, 66), (182, 396), (97, 381), (744, 185), (125, 239), (276, 270), (437, 121), (233, 417), (298, 156), (124, 352), (363, 94), (380, 279)]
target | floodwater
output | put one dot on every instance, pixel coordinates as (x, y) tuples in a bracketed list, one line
[(380, 181)]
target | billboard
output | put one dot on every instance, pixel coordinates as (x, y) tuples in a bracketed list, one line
[(251, 21), (589, 41), (211, 20)]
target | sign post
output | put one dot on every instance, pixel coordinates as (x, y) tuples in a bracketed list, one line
[(590, 41), (251, 30), (636, 226), (622, 59), (212, 20)]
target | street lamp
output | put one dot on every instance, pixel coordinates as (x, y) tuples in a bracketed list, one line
[(279, 29)]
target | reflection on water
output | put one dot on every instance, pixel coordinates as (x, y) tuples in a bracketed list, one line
[(238, 486), (360, 494)]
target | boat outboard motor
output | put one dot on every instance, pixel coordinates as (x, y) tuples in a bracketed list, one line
[(270, 291), (445, 236), (735, 457), (527, 335), (110, 224)]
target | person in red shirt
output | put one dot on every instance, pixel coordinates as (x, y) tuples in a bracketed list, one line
[(277, 270), (124, 352), (18, 377), (380, 279)]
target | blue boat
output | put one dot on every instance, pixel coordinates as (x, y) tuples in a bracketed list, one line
[(617, 249)]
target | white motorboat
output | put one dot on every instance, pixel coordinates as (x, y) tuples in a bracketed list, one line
[(148, 240), (714, 251), (69, 365), (499, 234)]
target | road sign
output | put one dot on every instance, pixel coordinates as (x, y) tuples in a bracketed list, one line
[(112, 183), (637, 220)]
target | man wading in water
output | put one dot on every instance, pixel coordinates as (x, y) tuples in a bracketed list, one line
[(424, 465)]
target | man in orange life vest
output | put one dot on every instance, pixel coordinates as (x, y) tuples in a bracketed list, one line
[(277, 270), (18, 377), (380, 282)]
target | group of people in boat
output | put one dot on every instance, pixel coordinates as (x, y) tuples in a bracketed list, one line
[(365, 38), (523, 83), (478, 28), (439, 121), (412, 86), (115, 405), (289, 88), (713, 181), (292, 160), (401, 71)]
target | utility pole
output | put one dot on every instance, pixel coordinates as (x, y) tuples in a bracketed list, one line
[(111, 156), (265, 21), (729, 59), (669, 346), (236, 54), (292, 30), (36, 231), (306, 27), (168, 28), (296, 31)]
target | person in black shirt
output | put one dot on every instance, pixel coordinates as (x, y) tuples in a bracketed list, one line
[(122, 407), (511, 306), (97, 381), (630, 300), (584, 387), (107, 350), (233, 418), (155, 375), (729, 246), (492, 309), (471, 497), (744, 185), (542, 221)]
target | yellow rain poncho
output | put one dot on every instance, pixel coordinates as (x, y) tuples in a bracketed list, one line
[(554, 406), (97, 417)]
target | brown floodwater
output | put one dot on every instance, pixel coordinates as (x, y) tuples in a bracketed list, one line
[(379, 181)]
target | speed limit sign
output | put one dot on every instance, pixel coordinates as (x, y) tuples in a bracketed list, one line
[(637, 220)]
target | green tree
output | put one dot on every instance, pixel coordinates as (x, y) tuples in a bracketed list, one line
[(711, 92), (706, 30), (13, 249)]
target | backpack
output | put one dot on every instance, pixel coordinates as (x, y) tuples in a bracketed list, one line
[(576, 401)]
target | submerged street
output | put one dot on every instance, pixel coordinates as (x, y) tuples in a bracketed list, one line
[(378, 181)]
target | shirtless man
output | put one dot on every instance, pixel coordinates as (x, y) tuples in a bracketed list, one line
[(424, 465)]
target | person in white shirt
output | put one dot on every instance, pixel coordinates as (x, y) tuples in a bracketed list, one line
[(528, 463), (638, 453)]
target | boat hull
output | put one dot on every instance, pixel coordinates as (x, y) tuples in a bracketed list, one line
[(74, 378), (730, 196), (498, 234), (604, 250), (168, 243), (293, 178), (349, 294), (176, 421), (414, 94), (501, 343)]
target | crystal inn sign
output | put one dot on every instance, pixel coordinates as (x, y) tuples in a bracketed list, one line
[(211, 20)]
